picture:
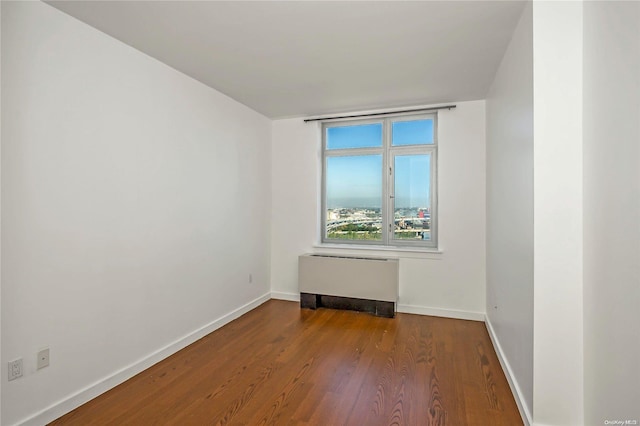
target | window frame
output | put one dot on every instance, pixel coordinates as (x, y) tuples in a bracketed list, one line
[(389, 154)]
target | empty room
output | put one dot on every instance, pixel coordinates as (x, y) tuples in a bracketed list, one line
[(320, 213)]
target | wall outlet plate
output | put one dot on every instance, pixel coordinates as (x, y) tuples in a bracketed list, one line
[(15, 369), (43, 358)]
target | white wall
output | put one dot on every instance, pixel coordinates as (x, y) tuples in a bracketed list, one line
[(0, 208), (510, 210), (135, 204), (611, 211), (451, 283), (586, 204), (557, 235)]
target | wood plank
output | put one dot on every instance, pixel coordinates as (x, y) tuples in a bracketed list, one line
[(281, 365)]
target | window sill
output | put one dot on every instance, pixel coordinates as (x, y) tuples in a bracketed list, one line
[(384, 251)]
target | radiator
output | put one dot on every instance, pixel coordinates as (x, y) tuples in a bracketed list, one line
[(361, 283)]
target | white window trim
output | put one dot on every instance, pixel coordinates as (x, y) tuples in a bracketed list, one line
[(378, 250), (388, 153)]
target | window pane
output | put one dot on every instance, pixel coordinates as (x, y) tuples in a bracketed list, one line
[(354, 197), (362, 136), (415, 132), (412, 202)]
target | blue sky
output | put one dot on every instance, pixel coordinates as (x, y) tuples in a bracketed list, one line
[(356, 181)]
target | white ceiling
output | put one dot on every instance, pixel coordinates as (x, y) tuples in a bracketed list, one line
[(300, 58)]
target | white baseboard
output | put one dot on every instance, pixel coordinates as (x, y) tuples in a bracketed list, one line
[(513, 383), (407, 309), (280, 295), (437, 312), (75, 400)]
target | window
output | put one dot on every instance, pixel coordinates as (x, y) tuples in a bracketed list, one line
[(379, 181)]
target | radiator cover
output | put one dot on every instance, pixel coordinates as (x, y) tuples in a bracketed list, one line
[(326, 280)]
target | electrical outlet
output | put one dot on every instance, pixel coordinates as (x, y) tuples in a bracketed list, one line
[(250, 278), (15, 369), (43, 358)]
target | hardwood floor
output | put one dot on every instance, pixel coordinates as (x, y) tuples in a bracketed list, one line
[(282, 365)]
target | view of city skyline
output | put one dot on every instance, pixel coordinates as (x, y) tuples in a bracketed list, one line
[(366, 223)]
